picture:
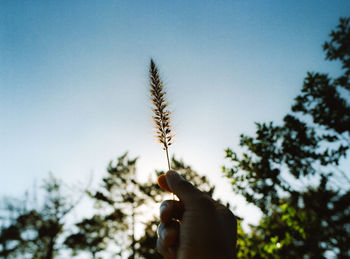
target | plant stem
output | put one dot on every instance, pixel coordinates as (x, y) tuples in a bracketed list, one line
[(167, 156)]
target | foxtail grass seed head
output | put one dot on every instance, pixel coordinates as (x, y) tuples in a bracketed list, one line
[(161, 117)]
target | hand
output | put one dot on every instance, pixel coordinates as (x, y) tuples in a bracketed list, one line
[(196, 226)]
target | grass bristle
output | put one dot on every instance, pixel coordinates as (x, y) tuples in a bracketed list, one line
[(161, 115)]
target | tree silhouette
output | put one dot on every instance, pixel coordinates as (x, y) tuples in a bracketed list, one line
[(122, 203), (293, 172), (116, 202), (32, 230)]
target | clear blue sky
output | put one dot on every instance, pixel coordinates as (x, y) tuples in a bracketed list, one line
[(73, 80)]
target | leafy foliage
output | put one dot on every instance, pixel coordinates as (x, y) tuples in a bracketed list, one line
[(32, 230), (121, 205), (292, 171), (116, 202)]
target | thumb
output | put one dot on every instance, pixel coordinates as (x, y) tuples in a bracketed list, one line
[(179, 186)]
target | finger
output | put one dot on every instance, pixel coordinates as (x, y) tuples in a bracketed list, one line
[(168, 233), (166, 252), (162, 183), (171, 209), (182, 188), (167, 242)]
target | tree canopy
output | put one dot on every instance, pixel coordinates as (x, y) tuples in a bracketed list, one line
[(293, 171)]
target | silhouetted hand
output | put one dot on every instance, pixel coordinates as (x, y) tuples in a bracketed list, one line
[(196, 226)]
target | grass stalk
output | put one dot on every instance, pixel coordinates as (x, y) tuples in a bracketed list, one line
[(161, 115)]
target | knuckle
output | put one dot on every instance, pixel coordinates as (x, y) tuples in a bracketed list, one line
[(170, 209), (163, 206), (166, 203)]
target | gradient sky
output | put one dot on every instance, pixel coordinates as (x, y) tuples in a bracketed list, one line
[(73, 80)]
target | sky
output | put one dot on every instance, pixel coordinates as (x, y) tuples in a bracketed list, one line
[(74, 92)]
